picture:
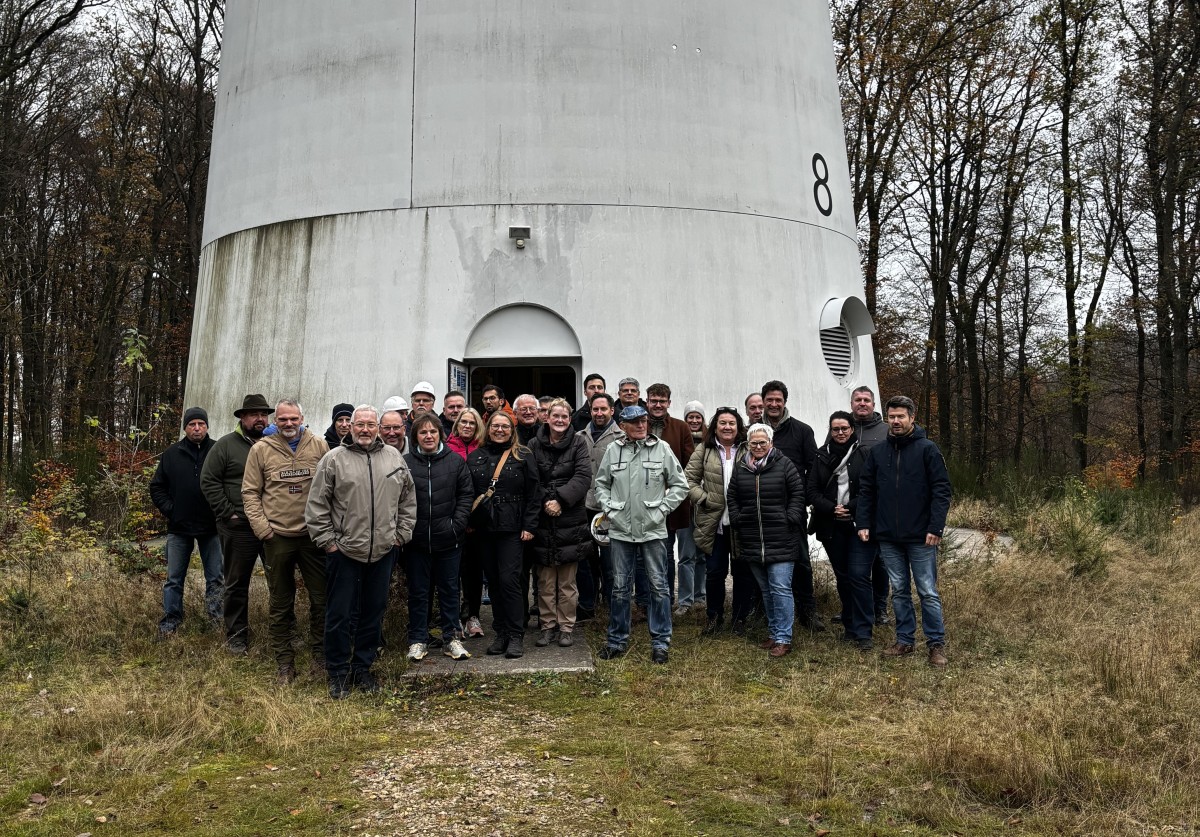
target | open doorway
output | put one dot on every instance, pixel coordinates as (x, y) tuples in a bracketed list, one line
[(534, 377)]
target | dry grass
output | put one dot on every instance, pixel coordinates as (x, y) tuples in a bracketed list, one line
[(1070, 707)]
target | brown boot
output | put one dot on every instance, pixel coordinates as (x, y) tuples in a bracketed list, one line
[(937, 656), (897, 650), (780, 649)]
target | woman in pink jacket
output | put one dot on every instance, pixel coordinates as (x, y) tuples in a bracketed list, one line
[(466, 434)]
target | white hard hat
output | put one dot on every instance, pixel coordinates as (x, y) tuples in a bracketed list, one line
[(423, 386), (599, 528), (394, 402)]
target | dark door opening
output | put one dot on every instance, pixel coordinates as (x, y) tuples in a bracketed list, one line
[(556, 381)]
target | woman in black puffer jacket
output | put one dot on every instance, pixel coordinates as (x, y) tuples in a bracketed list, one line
[(832, 491), (563, 537), (765, 499), (444, 494), (501, 530)]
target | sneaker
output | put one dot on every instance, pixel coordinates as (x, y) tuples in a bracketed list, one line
[(882, 618), (339, 688), (237, 647), (546, 637), (680, 611), (487, 600), (659, 656), (365, 681), (714, 626), (565, 640), (499, 645), (937, 655), (285, 674), (608, 652), (516, 647), (836, 619), (898, 649), (474, 627), (455, 651), (417, 651), (780, 649)]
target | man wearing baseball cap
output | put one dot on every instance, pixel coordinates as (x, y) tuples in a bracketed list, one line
[(638, 484)]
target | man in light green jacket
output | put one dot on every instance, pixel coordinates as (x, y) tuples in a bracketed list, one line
[(638, 484), (361, 509)]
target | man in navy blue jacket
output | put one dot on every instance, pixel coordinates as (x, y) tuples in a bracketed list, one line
[(903, 499), (175, 490)]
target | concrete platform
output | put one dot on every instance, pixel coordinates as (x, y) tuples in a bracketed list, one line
[(550, 659)]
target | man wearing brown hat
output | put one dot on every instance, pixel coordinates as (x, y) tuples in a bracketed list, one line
[(175, 490), (279, 474), (221, 483)]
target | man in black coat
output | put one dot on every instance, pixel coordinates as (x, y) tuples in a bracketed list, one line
[(175, 490), (795, 440)]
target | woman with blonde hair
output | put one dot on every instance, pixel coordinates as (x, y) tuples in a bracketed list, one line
[(467, 433), (505, 516), (563, 537)]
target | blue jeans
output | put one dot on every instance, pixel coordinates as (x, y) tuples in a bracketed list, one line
[(691, 565), (356, 596), (654, 560), (179, 555), (425, 570), (641, 584), (775, 581), (919, 560), (851, 560)]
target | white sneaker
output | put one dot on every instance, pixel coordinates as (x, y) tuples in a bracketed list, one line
[(474, 627), (455, 650), (417, 651)]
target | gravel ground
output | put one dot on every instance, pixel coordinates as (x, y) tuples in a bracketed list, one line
[(478, 774)]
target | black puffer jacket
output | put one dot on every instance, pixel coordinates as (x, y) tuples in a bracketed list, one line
[(518, 496), (175, 489), (904, 490), (766, 508), (822, 489), (565, 473), (444, 495)]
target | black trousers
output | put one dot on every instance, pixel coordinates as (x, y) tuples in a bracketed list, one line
[(239, 550), (503, 554)]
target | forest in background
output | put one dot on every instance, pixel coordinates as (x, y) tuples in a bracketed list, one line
[(1026, 179)]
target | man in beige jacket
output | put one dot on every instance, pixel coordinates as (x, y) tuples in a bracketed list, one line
[(279, 473), (361, 509)]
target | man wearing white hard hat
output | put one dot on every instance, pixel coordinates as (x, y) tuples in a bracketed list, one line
[(422, 398)]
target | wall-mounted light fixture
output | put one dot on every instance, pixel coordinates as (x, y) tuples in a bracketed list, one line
[(520, 234)]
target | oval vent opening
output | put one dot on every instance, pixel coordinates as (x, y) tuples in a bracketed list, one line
[(838, 350)]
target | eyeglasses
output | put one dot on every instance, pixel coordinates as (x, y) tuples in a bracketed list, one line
[(365, 425), (387, 428), (762, 443), (658, 401), (840, 430)]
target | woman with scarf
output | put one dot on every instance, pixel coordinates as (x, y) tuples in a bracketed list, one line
[(832, 491), (339, 427), (767, 510), (444, 495), (563, 537)]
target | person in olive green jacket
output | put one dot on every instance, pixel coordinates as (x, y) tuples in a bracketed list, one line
[(279, 474), (221, 484)]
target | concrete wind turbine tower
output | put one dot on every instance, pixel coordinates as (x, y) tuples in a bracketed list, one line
[(525, 191)]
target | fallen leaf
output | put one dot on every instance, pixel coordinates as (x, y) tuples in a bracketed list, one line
[(783, 821), (102, 818), (37, 799), (295, 811), (816, 817), (1013, 820), (671, 803), (270, 767), (823, 832), (317, 773), (927, 786), (58, 783)]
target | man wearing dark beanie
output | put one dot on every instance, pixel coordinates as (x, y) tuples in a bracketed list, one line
[(175, 489), (339, 427)]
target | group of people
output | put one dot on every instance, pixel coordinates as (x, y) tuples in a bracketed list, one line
[(571, 506)]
